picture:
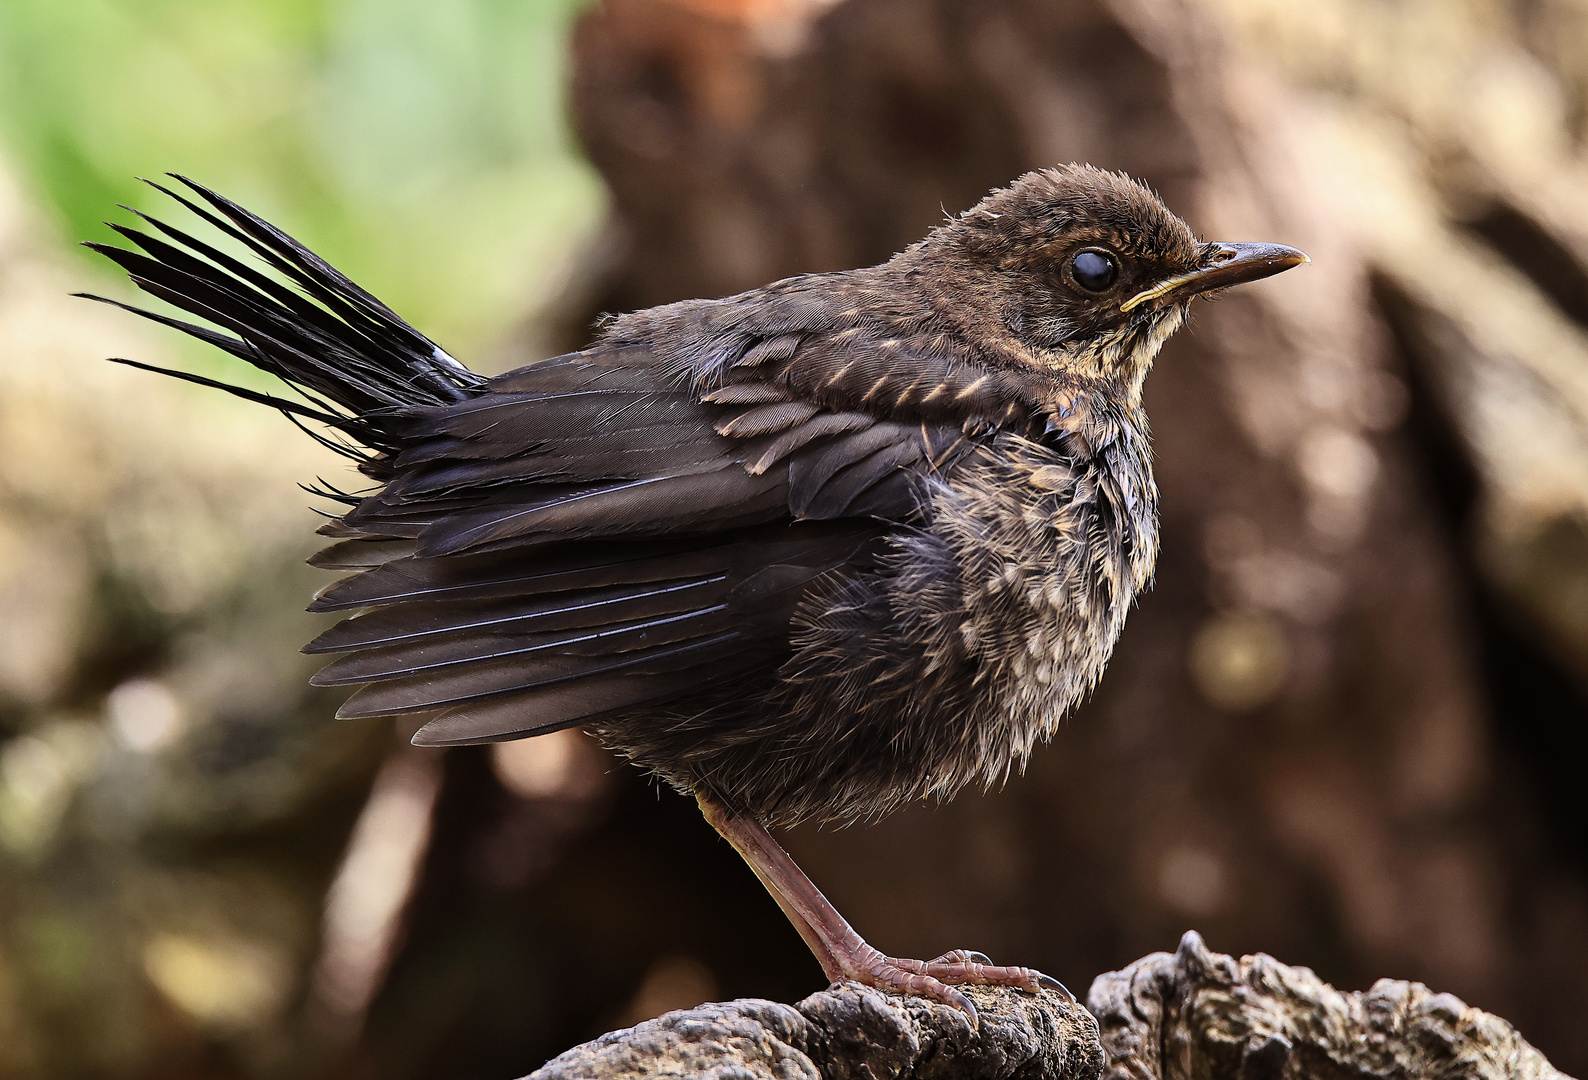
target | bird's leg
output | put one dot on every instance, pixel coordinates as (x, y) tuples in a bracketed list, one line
[(844, 954)]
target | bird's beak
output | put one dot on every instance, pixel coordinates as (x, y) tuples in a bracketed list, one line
[(1229, 264)]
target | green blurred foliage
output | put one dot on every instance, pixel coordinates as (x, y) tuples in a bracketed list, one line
[(419, 145)]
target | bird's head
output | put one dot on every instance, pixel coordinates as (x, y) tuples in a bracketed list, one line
[(1087, 273)]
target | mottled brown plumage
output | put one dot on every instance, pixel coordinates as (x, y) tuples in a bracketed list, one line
[(813, 551)]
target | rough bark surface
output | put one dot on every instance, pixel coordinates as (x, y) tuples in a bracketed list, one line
[(1195, 1013), (1200, 1013), (850, 1031)]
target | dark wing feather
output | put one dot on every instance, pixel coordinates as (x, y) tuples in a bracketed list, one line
[(509, 673), (554, 568), (723, 498), (535, 614), (580, 701)]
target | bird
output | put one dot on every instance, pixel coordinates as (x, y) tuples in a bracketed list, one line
[(809, 553)]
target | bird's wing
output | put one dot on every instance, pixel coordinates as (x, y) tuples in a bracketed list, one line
[(599, 531), (593, 535)]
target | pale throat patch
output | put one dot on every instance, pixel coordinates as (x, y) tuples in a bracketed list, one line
[(1147, 350), (1124, 351)]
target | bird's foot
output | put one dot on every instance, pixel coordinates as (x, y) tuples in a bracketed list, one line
[(937, 979), (844, 954)]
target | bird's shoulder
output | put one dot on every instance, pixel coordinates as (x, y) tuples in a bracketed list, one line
[(870, 341)]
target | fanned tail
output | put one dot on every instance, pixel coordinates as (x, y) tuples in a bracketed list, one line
[(353, 360)]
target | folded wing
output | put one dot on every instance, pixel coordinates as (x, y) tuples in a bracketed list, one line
[(588, 537), (603, 531)]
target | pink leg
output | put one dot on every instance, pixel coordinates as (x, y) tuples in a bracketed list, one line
[(844, 954)]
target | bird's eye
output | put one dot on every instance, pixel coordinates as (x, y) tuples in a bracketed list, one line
[(1094, 270)]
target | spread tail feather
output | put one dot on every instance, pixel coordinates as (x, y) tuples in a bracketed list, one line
[(353, 360)]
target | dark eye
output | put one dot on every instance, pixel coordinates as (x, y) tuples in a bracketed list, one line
[(1094, 270)]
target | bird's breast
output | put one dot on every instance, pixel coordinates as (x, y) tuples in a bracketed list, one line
[(1051, 548)]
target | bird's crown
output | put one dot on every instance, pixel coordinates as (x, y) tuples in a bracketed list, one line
[(1050, 213)]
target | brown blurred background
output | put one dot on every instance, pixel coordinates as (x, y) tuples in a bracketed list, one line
[(1348, 727)]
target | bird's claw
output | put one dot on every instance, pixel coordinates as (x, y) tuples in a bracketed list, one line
[(1048, 982), (937, 979)]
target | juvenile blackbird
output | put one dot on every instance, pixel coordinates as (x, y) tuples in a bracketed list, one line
[(811, 552)]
